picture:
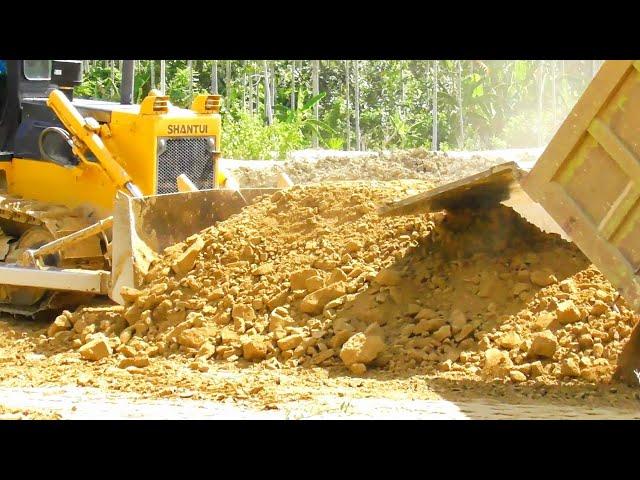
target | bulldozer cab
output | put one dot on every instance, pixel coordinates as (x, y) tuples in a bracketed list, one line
[(3, 83), (19, 80)]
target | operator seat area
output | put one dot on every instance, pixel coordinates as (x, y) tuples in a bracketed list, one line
[(3, 103), (3, 85)]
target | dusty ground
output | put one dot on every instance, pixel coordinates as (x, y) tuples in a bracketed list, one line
[(90, 403), (417, 164), (73, 388), (445, 313), (24, 412), (309, 299)]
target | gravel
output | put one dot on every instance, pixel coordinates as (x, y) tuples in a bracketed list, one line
[(311, 166)]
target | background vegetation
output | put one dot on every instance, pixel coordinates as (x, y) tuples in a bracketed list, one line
[(275, 106)]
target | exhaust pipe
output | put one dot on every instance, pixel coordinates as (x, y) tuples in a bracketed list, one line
[(126, 85)]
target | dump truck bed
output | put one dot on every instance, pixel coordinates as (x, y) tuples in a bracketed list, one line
[(498, 184), (588, 177), (585, 186)]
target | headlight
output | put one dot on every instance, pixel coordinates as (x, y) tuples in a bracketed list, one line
[(211, 144), (162, 146)]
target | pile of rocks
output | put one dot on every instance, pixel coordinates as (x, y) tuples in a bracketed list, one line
[(312, 276), (266, 283), (419, 163)]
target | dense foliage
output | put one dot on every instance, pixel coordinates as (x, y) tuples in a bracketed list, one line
[(373, 104)]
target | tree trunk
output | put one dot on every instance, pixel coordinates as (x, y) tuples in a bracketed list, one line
[(250, 92), (562, 85), (267, 93), (402, 91), (356, 82), (434, 109), (553, 92), (253, 93), (346, 81), (112, 74), (227, 81), (244, 86), (293, 85), (273, 85), (214, 77), (152, 71), (540, 93), (190, 69), (461, 142), (315, 69), (163, 76)]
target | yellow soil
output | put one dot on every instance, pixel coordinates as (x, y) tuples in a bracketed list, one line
[(309, 292)]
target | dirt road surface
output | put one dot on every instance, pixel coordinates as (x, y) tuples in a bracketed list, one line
[(92, 403)]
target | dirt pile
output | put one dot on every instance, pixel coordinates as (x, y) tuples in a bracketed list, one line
[(572, 329), (265, 284), (419, 164), (515, 304), (312, 276)]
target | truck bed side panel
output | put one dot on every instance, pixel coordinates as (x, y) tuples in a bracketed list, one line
[(588, 178)]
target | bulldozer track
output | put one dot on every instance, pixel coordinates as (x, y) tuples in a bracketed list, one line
[(18, 215), (55, 218)]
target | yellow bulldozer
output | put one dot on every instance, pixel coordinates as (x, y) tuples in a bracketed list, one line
[(90, 190)]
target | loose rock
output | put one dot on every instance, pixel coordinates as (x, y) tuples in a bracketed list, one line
[(544, 345), (96, 349), (361, 349)]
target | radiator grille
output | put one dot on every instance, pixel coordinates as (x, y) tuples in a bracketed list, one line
[(191, 156)]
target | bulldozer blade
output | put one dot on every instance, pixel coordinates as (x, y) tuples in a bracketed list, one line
[(628, 368), (498, 184), (144, 227)]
